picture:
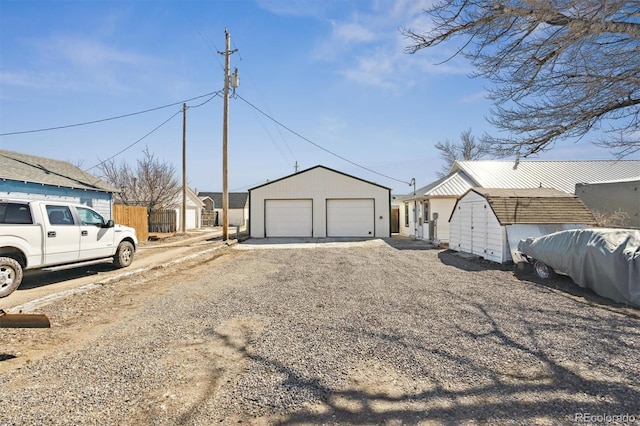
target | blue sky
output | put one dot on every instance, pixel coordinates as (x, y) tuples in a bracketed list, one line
[(332, 71)]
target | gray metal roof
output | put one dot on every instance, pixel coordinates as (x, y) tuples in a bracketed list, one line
[(30, 168), (562, 175), (237, 200)]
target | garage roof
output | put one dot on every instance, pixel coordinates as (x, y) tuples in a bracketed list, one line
[(315, 167), (535, 206)]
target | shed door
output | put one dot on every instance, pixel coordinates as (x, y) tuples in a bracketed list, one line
[(479, 228), (350, 218), (288, 218)]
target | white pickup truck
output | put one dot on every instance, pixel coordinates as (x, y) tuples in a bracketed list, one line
[(42, 234)]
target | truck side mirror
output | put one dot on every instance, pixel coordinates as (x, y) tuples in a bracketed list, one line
[(110, 224)]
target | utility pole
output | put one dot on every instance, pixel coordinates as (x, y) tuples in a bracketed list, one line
[(225, 135), (225, 132), (183, 221)]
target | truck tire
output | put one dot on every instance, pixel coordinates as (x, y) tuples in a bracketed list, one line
[(10, 275), (124, 254)]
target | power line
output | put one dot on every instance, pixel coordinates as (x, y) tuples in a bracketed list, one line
[(317, 145), (217, 93), (202, 34), (136, 142), (250, 186)]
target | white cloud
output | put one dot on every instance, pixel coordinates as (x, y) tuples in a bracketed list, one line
[(352, 32), (84, 52), (369, 48), (65, 62), (475, 97), (295, 7)]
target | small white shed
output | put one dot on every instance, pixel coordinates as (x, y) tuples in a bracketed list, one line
[(489, 222), (320, 202)]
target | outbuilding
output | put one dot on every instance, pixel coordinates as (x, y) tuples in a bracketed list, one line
[(489, 222), (320, 202)]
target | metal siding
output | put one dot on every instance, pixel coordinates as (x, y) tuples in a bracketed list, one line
[(455, 236)]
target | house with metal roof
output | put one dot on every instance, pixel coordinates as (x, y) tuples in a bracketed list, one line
[(30, 177), (432, 205), (238, 207), (489, 222)]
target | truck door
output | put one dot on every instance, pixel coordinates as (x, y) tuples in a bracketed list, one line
[(62, 235), (96, 240)]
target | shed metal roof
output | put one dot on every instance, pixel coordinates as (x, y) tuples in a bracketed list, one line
[(562, 175), (535, 206), (30, 168)]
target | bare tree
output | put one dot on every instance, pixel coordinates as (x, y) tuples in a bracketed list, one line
[(467, 149), (152, 184), (561, 68)]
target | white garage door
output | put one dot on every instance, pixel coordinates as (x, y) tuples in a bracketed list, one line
[(350, 218), (192, 221), (288, 218)]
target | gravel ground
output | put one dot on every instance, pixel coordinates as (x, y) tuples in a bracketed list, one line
[(381, 333)]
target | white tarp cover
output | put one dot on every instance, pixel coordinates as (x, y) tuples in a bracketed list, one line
[(604, 260)]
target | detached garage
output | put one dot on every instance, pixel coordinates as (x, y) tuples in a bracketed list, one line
[(490, 222), (319, 202)]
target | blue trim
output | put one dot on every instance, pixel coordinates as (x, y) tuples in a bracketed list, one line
[(10, 186)]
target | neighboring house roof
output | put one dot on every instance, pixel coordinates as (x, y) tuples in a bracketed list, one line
[(29, 168), (237, 200), (322, 167), (535, 206), (190, 195), (452, 185), (562, 175)]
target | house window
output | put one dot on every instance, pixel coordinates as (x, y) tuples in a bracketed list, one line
[(406, 214), (426, 211)]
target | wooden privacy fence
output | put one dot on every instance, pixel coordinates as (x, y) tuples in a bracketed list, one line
[(162, 221), (209, 218), (133, 216)]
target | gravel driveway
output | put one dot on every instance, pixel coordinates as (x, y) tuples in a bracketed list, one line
[(375, 333)]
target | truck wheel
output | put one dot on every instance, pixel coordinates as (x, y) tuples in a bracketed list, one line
[(10, 275), (542, 270), (124, 255)]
